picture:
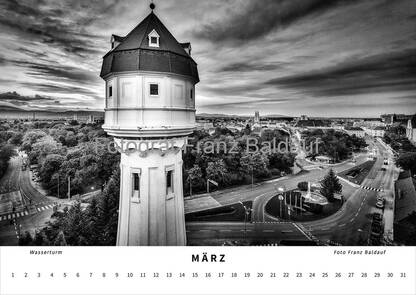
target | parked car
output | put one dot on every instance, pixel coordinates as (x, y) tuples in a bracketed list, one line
[(380, 204), (377, 216)]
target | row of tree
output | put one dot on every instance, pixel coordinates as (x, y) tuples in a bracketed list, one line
[(77, 154), (229, 162), (335, 144)]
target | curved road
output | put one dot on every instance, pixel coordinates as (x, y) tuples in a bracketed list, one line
[(349, 226), (31, 207)]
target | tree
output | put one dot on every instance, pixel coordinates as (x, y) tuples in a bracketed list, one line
[(31, 138), (303, 186), (60, 240), (407, 161), (330, 185), (193, 174), (6, 152), (108, 209), (50, 166), (216, 170), (255, 164), (26, 239)]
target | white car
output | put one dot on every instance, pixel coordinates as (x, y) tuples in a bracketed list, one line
[(380, 204)]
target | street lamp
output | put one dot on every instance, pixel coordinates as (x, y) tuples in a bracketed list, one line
[(281, 197), (246, 214)]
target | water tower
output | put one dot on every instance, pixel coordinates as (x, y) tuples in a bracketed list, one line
[(150, 100)]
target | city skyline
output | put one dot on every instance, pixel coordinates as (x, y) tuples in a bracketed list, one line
[(314, 57)]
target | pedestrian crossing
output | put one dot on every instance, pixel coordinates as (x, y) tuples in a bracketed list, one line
[(372, 188), (11, 216)]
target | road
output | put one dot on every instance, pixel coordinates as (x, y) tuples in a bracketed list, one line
[(32, 208), (216, 233), (349, 226)]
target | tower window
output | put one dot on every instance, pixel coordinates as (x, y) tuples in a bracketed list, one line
[(153, 39), (191, 94), (154, 89), (169, 182), (135, 186), (136, 181), (110, 91)]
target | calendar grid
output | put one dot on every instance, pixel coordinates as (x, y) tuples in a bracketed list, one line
[(154, 269)]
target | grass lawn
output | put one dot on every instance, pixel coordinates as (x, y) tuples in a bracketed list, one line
[(358, 173)]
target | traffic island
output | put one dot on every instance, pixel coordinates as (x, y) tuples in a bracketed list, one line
[(302, 206)]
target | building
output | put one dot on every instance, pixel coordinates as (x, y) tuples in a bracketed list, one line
[(376, 131), (411, 129), (150, 109), (357, 131), (379, 131), (388, 119), (313, 124), (256, 117), (404, 207)]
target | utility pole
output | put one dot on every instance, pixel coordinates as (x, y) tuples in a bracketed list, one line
[(69, 188), (252, 177)]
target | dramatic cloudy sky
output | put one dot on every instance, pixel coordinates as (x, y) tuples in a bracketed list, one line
[(316, 57)]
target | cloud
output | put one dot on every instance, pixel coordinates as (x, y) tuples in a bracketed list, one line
[(250, 67), (14, 96), (256, 19), (51, 23), (370, 74), (23, 100), (58, 72), (60, 89)]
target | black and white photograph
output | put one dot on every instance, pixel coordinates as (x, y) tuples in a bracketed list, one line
[(208, 123)]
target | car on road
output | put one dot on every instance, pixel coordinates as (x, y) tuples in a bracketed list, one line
[(380, 204), (377, 217), (376, 228)]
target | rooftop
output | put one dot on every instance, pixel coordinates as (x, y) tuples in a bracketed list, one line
[(134, 53), (405, 202)]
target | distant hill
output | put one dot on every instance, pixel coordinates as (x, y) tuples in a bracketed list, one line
[(11, 111), (207, 115)]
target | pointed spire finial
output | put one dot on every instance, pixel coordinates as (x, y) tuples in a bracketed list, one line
[(152, 5)]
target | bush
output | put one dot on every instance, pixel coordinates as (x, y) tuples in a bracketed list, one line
[(303, 186)]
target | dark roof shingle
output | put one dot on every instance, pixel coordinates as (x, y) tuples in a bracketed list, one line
[(135, 54)]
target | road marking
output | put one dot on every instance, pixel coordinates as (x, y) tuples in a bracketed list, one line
[(341, 225), (17, 214), (205, 230), (26, 213), (225, 230), (302, 231), (43, 208), (352, 219), (268, 231), (325, 228), (38, 209), (13, 215)]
